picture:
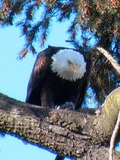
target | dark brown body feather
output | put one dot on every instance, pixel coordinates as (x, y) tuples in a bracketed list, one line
[(47, 89)]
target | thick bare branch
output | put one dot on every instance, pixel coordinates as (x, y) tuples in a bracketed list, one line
[(76, 134)]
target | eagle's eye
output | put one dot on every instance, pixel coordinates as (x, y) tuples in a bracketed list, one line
[(69, 62)]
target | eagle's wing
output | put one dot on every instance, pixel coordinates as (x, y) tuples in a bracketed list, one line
[(38, 75), (85, 81)]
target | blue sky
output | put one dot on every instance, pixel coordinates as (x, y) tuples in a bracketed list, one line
[(13, 82)]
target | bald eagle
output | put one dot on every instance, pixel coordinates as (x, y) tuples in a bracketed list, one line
[(59, 75)]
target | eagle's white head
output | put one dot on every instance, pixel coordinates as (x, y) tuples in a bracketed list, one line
[(68, 64)]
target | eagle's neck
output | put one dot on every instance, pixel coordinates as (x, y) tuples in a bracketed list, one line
[(68, 64)]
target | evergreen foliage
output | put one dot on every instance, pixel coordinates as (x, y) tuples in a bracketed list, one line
[(94, 18)]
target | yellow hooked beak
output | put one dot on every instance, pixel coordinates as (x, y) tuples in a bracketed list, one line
[(73, 67)]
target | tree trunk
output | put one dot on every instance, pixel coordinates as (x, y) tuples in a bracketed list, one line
[(82, 135)]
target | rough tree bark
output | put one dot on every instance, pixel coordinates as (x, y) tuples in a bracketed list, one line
[(83, 135)]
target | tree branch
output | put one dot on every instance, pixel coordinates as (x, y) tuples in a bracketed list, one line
[(113, 137), (110, 58), (76, 134)]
